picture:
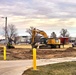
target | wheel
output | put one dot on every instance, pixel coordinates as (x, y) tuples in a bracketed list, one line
[(72, 45), (59, 46)]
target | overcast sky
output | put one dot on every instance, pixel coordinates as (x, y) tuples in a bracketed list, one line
[(47, 15)]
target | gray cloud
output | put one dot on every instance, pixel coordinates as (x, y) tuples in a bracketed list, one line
[(32, 10), (39, 8)]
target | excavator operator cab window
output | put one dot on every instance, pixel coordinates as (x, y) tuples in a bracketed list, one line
[(43, 40), (57, 40)]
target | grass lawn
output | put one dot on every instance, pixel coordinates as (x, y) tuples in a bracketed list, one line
[(66, 68)]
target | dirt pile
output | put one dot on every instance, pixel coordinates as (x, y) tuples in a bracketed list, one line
[(26, 53)]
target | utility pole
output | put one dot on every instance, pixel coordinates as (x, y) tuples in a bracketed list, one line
[(6, 33)]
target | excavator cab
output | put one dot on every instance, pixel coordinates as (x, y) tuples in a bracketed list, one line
[(43, 41)]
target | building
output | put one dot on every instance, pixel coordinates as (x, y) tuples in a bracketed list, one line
[(23, 39), (2, 40)]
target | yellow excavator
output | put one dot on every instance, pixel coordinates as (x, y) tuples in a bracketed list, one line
[(49, 42)]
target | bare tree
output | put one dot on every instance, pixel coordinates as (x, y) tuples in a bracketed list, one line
[(11, 33), (29, 30), (64, 33), (37, 37), (53, 35)]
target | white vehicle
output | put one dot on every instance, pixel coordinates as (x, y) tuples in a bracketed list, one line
[(74, 44)]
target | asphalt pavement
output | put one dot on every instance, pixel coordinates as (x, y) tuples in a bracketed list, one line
[(17, 67)]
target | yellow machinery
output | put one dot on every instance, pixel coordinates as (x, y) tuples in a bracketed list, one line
[(50, 42), (53, 41)]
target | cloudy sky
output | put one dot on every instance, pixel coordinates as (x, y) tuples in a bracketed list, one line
[(47, 15)]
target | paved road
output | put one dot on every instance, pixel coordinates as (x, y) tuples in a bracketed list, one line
[(18, 66)]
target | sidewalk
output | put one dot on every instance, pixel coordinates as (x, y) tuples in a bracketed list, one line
[(17, 67)]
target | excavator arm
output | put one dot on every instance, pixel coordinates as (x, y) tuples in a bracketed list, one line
[(37, 31), (43, 33)]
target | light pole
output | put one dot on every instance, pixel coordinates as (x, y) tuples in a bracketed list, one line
[(6, 33)]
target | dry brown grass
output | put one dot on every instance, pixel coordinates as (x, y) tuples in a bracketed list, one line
[(23, 46), (29, 46)]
